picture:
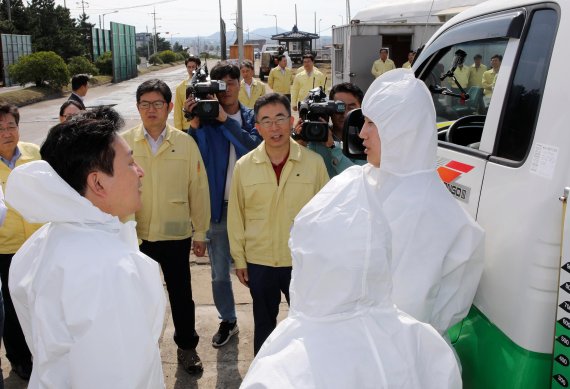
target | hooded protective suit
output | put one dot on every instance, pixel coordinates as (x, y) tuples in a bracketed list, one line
[(91, 305), (437, 247), (343, 331)]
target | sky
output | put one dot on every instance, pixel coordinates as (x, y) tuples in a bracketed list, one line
[(201, 17)]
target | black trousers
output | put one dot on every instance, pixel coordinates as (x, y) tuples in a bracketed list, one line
[(17, 350), (266, 283), (174, 259)]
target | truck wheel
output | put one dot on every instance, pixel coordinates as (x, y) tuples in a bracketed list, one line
[(261, 76)]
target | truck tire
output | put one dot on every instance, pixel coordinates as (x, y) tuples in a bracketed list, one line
[(261, 75)]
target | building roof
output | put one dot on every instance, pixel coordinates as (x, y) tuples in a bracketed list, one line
[(295, 35)]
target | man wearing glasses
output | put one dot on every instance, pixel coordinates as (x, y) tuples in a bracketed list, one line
[(269, 187), (175, 207), (222, 141), (13, 234)]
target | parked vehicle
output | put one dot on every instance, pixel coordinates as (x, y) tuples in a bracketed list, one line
[(502, 155)]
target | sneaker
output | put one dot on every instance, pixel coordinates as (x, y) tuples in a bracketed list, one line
[(24, 371), (225, 332), (190, 360)]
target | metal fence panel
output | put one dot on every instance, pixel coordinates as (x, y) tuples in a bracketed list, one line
[(13, 47), (123, 46)]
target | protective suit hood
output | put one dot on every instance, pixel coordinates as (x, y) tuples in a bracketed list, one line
[(408, 144), (41, 196), (342, 256)]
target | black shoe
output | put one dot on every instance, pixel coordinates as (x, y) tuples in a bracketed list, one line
[(225, 332), (190, 360), (24, 371)]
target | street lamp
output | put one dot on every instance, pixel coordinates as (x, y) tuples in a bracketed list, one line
[(103, 18), (341, 20), (275, 16)]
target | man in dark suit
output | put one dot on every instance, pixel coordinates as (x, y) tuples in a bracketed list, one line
[(79, 85)]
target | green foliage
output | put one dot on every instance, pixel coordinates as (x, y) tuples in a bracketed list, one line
[(105, 63), (42, 68), (77, 65), (167, 56), (155, 59), (179, 57)]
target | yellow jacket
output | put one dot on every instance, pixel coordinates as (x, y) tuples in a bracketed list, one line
[(488, 81), (175, 192), (180, 122), (261, 211), (279, 81), (257, 90), (461, 73), (476, 75), (407, 65), (380, 67), (16, 230), (302, 84)]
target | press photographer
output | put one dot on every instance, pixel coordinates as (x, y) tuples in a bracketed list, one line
[(222, 140), (331, 148)]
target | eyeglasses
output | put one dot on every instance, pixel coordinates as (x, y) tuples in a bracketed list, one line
[(158, 104), (8, 128), (280, 121)]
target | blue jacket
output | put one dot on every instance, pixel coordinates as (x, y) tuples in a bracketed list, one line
[(213, 140)]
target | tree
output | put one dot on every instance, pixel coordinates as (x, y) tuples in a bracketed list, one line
[(44, 68), (53, 29), (77, 65), (177, 47), (19, 14)]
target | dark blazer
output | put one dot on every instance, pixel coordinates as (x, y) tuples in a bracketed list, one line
[(75, 97)]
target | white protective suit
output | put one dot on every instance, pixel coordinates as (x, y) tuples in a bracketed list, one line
[(343, 331), (437, 247), (91, 305)]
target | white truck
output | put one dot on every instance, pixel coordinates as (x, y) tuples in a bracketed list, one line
[(504, 153)]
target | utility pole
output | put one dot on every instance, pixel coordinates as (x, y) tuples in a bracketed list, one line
[(240, 31), (9, 10), (147, 46), (348, 12), (154, 38), (83, 5)]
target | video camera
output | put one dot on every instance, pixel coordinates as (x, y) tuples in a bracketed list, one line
[(314, 107), (200, 87)]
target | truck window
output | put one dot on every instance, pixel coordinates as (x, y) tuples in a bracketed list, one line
[(475, 77), (523, 99)]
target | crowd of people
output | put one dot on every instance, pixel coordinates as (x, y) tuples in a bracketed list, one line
[(94, 214)]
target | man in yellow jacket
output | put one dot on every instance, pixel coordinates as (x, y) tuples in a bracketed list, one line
[(281, 77), (175, 207), (269, 187), (250, 89), (383, 64), (13, 234), (308, 79), (192, 63)]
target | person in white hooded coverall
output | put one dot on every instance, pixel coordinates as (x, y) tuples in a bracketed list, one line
[(436, 246), (90, 303), (342, 330)]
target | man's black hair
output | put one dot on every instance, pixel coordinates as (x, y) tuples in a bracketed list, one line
[(224, 68), (280, 57), (247, 63), (78, 80), (154, 85), (498, 56), (11, 109), (66, 104), (384, 49), (478, 56), (78, 147), (347, 87), (196, 60), (271, 98), (309, 55)]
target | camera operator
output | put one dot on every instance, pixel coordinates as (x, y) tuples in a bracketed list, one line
[(222, 141), (331, 150)]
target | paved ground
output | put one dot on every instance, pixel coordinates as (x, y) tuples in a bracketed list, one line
[(224, 368)]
